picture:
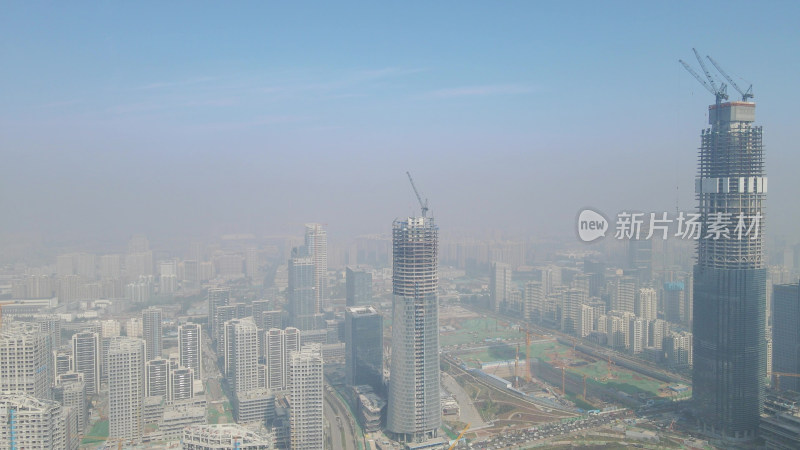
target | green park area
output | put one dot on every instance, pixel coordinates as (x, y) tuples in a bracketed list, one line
[(98, 433)]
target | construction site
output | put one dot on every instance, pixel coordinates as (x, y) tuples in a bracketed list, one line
[(541, 377)]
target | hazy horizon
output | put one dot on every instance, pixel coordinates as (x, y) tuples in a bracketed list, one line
[(127, 120)]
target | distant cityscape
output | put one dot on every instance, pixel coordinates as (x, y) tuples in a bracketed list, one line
[(646, 329)]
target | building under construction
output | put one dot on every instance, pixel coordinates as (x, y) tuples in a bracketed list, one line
[(730, 277), (414, 410)]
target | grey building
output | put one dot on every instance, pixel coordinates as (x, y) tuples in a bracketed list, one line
[(190, 348), (358, 284), (217, 297), (786, 333), (151, 329), (414, 408), (730, 275), (86, 359), (363, 330), (126, 388), (301, 292)]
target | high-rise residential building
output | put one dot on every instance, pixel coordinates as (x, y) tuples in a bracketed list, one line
[(156, 378), (25, 358), (70, 391), (678, 348), (533, 296), (624, 296), (279, 345), (571, 301), (151, 327), (306, 414), (500, 284), (414, 408), (358, 284), (647, 304), (86, 359), (190, 348), (317, 249), (27, 422), (301, 292), (363, 336), (730, 275), (125, 388), (181, 384), (216, 297), (786, 333), (241, 354)]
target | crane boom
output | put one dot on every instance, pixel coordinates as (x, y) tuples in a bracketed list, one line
[(745, 94), (422, 205), (698, 77), (705, 71)]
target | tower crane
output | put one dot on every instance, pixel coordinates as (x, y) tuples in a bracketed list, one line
[(745, 94), (720, 93), (422, 205)]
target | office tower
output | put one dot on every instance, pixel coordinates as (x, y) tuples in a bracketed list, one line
[(151, 327), (181, 384), (358, 284), (317, 249), (786, 333), (241, 354), (190, 348), (125, 388), (363, 331), (27, 422), (305, 416), (730, 275), (301, 292), (63, 362), (70, 391), (86, 359), (25, 358), (674, 295), (414, 409), (227, 436), (156, 378), (624, 298), (216, 297), (279, 345), (499, 284), (647, 304)]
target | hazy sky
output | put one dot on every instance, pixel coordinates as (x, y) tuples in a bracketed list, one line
[(189, 119)]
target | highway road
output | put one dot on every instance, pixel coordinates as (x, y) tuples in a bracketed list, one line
[(339, 423)]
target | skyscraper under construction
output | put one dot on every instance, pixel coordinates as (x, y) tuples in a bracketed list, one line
[(414, 410), (730, 276)]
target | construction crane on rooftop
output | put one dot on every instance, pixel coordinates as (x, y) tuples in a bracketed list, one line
[(720, 93), (745, 94), (422, 205)]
